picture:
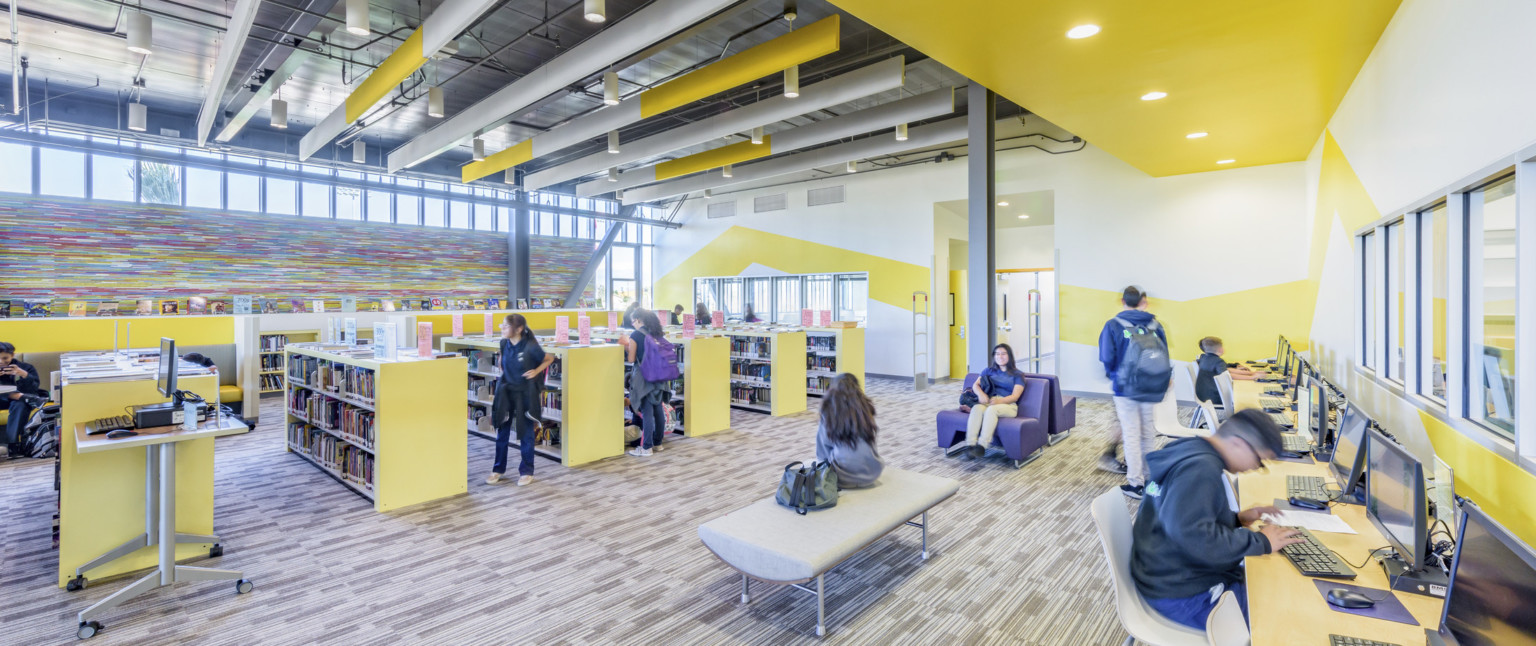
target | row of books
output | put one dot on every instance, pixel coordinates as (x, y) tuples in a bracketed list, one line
[(550, 399), (320, 410), (817, 362), (816, 342), (752, 346), (270, 362), (751, 395), (358, 424), (761, 371), (349, 462), (818, 385), (273, 342), (300, 367), (196, 305), (271, 383)]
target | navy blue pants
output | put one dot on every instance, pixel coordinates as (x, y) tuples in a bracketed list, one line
[(522, 411), (1193, 611), (20, 410), (653, 420)]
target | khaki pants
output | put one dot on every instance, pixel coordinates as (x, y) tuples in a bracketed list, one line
[(982, 424), (1140, 435)]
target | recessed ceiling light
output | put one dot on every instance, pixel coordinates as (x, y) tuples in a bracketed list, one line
[(1196, 135), (1023, 217), (1002, 204), (1153, 96), (1225, 161), (1082, 31)]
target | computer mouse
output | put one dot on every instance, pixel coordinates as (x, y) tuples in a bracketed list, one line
[(1309, 503), (121, 433), (1345, 598)]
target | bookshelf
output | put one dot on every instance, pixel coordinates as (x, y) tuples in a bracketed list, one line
[(768, 370), (271, 366), (386, 430), (583, 400), (829, 351), (703, 392)]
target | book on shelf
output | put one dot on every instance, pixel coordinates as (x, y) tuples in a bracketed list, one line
[(317, 305), (145, 307), (77, 308), (242, 304), (38, 308), (479, 304), (107, 308), (197, 305), (493, 303), (268, 306), (5, 309), (297, 306), (435, 304), (349, 304), (168, 308), (522, 304)]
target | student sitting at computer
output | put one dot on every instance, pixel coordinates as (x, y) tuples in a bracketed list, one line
[(749, 316), (21, 381), (846, 436), (1187, 543), (1209, 365), (677, 315)]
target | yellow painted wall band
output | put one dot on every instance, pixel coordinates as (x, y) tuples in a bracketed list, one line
[(1287, 309), (498, 162), (398, 67), (818, 39), (732, 154)]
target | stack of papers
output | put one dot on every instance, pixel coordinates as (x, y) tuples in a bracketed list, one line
[(1311, 521)]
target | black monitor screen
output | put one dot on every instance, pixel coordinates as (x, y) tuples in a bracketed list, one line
[(1394, 498), (1346, 463), (165, 378), (1492, 586), (1319, 421)]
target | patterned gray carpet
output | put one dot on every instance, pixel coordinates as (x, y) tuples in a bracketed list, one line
[(601, 554)]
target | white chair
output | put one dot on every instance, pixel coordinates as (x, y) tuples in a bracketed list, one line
[(1139, 619), (1206, 418), (1165, 416), (1228, 400), (1226, 625)]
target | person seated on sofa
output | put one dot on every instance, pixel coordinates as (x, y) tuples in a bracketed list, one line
[(998, 400), (845, 437), (21, 383), (1187, 545)]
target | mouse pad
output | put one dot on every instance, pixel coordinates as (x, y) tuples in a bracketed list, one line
[(1285, 505), (1304, 459), (1389, 608)]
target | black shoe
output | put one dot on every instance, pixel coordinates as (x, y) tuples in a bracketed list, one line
[(1134, 493), (978, 450)]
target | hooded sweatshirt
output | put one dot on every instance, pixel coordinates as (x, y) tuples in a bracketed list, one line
[(1186, 538), (1113, 342)]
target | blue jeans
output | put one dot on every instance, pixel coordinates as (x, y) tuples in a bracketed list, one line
[(652, 419), (16, 419), (1192, 611), (521, 411)]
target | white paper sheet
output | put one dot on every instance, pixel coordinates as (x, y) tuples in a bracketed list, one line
[(1311, 521)]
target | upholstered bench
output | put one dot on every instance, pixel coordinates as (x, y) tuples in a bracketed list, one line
[(773, 544), (1023, 437), (1062, 407)]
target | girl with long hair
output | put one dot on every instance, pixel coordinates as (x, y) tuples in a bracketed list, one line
[(701, 316), (997, 400), (845, 437), (646, 397), (522, 359)]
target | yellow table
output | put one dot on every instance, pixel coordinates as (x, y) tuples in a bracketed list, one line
[(1284, 607)]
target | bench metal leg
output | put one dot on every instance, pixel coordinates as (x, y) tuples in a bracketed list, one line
[(924, 526), (821, 607), (744, 598)]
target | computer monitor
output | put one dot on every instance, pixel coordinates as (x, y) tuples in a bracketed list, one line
[(1395, 500), (1493, 580), (165, 380), (1303, 412), (1348, 461), (1319, 419)]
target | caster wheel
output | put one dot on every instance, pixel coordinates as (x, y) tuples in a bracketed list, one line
[(216, 551), (76, 584), (243, 586), (88, 629)]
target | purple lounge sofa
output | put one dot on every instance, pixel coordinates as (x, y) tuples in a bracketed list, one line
[(1023, 437), (1063, 409)]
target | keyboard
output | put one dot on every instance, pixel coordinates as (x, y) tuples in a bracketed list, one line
[(1306, 487), (1280, 419), (1296, 444), (1276, 392), (108, 424), (1273, 402), (1313, 559), (1340, 640)]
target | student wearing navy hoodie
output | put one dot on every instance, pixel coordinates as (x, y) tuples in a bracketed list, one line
[(1188, 544), (1136, 425)]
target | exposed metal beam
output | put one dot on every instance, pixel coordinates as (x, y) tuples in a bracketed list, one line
[(981, 193), (641, 28), (273, 67), (873, 79), (240, 21), (598, 255)]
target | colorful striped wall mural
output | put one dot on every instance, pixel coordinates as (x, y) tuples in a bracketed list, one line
[(63, 250)]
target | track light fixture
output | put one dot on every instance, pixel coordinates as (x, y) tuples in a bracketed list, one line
[(613, 174), (613, 141), (792, 81), (757, 135), (595, 10), (901, 132), (435, 102), (479, 149), (138, 117), (725, 171), (610, 88), (279, 114), (359, 152), (510, 176), (357, 17), (853, 167), (141, 33)]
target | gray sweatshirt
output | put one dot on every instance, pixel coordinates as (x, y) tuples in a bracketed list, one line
[(856, 466)]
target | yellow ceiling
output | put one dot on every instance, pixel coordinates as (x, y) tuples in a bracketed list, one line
[(1262, 77)]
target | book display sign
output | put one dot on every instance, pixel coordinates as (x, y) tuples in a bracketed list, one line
[(613, 321), (424, 339), (584, 329), (826, 318), (349, 330), (688, 326), (349, 303), (243, 304), (662, 315), (717, 319), (488, 325), (385, 341), (318, 305), (458, 326), (805, 318), (562, 329)]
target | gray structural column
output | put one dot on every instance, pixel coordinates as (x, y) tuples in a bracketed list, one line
[(981, 193), (517, 252), (574, 298)]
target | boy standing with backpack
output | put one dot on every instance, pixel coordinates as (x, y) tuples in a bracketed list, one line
[(1134, 351)]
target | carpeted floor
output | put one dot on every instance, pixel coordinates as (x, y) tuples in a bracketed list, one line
[(605, 553)]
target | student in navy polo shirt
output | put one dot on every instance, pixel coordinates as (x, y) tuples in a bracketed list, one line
[(999, 401)]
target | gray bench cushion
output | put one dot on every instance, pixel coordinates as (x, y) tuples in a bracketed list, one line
[(773, 543)]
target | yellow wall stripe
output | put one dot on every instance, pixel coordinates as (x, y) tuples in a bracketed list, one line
[(498, 162), (818, 39), (1499, 486), (732, 154), (398, 67), (1284, 308), (890, 281)]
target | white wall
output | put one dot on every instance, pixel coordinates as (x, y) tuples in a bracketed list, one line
[(1026, 247)]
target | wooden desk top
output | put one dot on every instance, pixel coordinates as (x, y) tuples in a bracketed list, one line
[(225, 425), (1285, 608)]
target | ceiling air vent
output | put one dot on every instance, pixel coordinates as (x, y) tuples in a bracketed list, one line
[(766, 203), (722, 209), (820, 196)]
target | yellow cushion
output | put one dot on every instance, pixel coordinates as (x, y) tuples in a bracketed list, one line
[(5, 414), (231, 393)]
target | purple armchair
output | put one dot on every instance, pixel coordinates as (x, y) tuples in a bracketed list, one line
[(1023, 437), (1063, 409)]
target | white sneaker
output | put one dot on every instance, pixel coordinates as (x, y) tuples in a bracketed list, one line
[(495, 478), (524, 480), (639, 452)]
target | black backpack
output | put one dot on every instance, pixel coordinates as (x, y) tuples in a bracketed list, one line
[(1145, 370)]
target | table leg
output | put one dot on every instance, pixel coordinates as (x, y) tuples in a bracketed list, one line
[(139, 587), (167, 513)]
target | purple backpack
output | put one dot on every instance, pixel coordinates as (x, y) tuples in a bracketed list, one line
[(660, 362)]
